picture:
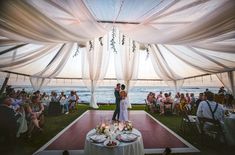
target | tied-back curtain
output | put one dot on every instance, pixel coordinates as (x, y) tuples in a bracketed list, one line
[(127, 63), (95, 60), (55, 66), (227, 79)]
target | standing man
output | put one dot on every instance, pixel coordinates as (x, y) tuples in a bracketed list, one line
[(117, 102)]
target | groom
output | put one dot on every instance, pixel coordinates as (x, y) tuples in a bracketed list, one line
[(117, 102)]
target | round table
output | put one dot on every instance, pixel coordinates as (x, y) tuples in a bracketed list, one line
[(124, 148)]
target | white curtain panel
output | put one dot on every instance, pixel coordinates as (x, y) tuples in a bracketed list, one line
[(160, 64), (126, 62), (94, 63), (227, 78)]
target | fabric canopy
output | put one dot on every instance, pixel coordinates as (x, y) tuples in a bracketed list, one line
[(178, 40)]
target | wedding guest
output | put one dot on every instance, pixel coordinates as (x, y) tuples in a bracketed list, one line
[(200, 98), (167, 151), (117, 102), (183, 102), (71, 101), (35, 110), (151, 101), (8, 127), (222, 90), (123, 107), (176, 103), (209, 108)]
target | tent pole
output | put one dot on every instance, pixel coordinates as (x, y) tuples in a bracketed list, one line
[(4, 84)]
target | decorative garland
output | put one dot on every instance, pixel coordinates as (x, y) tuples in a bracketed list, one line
[(101, 41), (123, 39), (147, 51), (133, 46), (113, 41), (77, 51), (91, 46)]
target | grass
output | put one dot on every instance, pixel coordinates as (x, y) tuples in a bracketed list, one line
[(54, 124)]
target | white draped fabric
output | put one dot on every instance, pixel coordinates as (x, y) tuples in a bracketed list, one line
[(34, 22), (94, 65), (184, 39), (190, 30), (53, 68)]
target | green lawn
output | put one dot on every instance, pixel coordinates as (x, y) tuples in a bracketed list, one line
[(54, 124)]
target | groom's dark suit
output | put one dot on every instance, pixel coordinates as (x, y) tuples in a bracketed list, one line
[(117, 102)]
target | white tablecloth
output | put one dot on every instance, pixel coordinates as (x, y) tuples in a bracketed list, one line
[(131, 148), (229, 129)]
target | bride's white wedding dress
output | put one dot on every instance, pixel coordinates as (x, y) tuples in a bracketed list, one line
[(123, 110)]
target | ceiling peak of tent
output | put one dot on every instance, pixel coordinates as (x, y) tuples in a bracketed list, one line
[(117, 22)]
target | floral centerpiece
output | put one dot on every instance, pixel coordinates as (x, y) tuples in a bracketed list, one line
[(102, 128), (128, 126)]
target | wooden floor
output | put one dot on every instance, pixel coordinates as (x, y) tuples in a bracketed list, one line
[(156, 136)]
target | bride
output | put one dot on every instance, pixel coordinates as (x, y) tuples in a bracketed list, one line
[(123, 107)]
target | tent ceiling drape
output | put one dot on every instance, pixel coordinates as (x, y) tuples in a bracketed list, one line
[(185, 38)]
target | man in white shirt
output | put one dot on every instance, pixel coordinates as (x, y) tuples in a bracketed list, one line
[(212, 110), (209, 108)]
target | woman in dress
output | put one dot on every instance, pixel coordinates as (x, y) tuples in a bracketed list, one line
[(123, 106)]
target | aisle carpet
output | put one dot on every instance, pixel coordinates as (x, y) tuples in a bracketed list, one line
[(156, 136)]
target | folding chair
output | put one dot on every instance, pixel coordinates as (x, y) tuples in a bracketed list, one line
[(188, 121), (211, 129)]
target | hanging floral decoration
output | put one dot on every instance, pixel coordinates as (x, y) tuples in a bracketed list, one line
[(101, 41), (133, 46), (147, 51), (91, 45), (113, 41), (77, 51), (123, 39)]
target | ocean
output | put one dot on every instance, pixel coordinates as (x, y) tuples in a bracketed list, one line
[(136, 95)]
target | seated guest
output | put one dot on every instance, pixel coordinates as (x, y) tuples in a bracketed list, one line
[(200, 98), (166, 103), (210, 109), (8, 124), (151, 101), (63, 102), (222, 90), (35, 110), (22, 122), (176, 103), (72, 100), (183, 102)]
